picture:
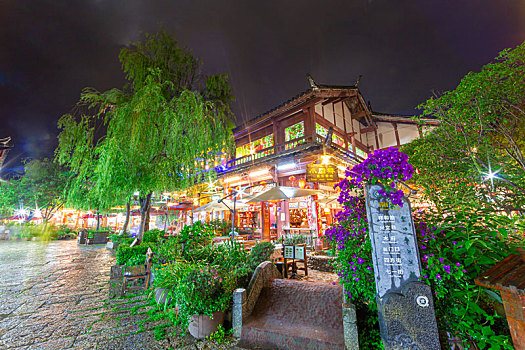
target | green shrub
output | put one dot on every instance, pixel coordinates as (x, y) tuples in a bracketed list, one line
[(221, 227), (168, 251), (153, 236), (126, 253), (64, 232), (262, 251), (294, 239)]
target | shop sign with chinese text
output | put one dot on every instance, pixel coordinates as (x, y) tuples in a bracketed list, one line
[(321, 173)]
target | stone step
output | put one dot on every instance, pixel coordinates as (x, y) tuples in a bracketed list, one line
[(295, 315)]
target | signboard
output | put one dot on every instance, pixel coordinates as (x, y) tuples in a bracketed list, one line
[(288, 252), (321, 173), (395, 253), (294, 252), (405, 306)]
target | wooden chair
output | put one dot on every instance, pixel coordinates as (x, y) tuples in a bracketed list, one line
[(134, 274)]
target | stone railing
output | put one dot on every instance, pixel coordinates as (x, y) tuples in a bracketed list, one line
[(244, 299), (323, 263)]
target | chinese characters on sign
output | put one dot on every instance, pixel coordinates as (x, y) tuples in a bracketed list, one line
[(396, 270), (395, 255), (294, 252), (321, 173)]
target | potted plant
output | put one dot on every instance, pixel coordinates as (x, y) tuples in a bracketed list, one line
[(202, 299)]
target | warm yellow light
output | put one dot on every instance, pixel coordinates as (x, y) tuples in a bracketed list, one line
[(341, 167), (257, 173), (325, 159), (327, 210), (232, 179)]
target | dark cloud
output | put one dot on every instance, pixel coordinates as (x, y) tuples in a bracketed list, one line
[(50, 50)]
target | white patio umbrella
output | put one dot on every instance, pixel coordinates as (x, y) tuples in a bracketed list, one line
[(282, 193), (222, 206)]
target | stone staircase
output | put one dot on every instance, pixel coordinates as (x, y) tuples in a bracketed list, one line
[(295, 315)]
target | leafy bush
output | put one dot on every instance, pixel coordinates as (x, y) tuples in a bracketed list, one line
[(455, 249), (294, 239), (170, 250), (124, 254), (65, 232), (262, 251), (201, 291), (153, 236), (456, 244), (221, 227)]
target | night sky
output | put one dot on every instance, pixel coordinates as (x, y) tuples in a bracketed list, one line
[(50, 50)]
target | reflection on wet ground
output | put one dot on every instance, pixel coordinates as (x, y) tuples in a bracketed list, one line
[(54, 295)]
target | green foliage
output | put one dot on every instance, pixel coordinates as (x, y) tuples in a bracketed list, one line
[(160, 331), (294, 239), (200, 291), (65, 232), (455, 249), (153, 236), (170, 250), (220, 335), (126, 254), (261, 251), (481, 133), (168, 116), (221, 227), (42, 185)]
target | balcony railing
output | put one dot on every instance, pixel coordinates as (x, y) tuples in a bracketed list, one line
[(285, 148)]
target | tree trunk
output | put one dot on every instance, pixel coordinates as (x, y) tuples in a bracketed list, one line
[(126, 222), (145, 204), (146, 224), (98, 220)]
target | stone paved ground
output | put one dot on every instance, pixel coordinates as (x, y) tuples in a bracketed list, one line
[(55, 296)]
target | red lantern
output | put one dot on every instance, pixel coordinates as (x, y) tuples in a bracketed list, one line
[(262, 182), (291, 178), (301, 183), (308, 188)]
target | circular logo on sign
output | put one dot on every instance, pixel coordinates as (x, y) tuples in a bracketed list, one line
[(422, 301)]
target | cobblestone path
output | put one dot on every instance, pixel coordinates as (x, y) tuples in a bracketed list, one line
[(55, 296)]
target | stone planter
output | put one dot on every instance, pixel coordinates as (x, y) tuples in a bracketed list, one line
[(202, 326)]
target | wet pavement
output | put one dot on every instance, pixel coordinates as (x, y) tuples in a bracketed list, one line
[(54, 295)]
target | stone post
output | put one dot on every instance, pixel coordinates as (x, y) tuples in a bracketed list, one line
[(115, 281), (239, 310), (350, 327)]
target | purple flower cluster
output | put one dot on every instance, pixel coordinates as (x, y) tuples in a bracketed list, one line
[(350, 235), (387, 167)]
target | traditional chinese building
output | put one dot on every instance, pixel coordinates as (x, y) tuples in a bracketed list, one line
[(328, 125)]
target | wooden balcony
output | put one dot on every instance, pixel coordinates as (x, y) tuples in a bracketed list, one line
[(299, 145)]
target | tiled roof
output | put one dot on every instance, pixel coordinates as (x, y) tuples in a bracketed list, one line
[(316, 88)]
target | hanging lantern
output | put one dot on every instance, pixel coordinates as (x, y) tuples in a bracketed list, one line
[(308, 188), (301, 183), (291, 178), (262, 182)]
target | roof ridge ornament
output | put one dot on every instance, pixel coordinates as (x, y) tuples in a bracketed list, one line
[(312, 82), (358, 80)]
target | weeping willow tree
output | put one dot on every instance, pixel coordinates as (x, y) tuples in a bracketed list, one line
[(155, 134)]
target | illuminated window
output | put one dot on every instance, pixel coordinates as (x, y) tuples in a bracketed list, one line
[(361, 153), (261, 147), (322, 131), (293, 132)]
